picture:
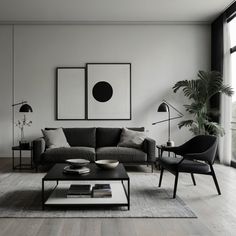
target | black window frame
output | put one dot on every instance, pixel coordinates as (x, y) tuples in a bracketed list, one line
[(232, 50), (230, 18)]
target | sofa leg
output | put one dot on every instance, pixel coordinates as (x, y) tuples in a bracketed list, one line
[(193, 179), (176, 183), (152, 167), (161, 175)]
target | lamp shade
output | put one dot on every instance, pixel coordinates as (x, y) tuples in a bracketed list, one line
[(163, 107), (26, 108)]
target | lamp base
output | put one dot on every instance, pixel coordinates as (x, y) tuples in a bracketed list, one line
[(170, 143), (24, 144)]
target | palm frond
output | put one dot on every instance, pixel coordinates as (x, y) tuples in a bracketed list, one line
[(186, 123), (227, 90), (215, 83), (190, 88), (194, 108), (203, 75), (214, 128), (179, 84)]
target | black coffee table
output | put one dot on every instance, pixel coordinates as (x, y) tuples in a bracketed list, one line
[(115, 177)]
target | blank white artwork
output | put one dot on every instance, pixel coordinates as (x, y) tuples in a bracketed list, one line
[(70, 93), (118, 76)]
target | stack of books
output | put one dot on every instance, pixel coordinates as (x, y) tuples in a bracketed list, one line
[(79, 191), (101, 190)]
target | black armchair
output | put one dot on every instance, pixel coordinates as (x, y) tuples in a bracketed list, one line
[(197, 157)]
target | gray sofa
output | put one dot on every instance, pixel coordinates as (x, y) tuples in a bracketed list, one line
[(94, 144)]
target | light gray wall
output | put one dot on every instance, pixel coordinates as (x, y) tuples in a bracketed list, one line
[(5, 90), (160, 56)]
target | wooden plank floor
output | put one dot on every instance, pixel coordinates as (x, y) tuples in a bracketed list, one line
[(216, 214)]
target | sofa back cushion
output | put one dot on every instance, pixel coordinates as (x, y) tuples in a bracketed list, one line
[(107, 137), (140, 129), (81, 137), (55, 138), (110, 137), (131, 138)]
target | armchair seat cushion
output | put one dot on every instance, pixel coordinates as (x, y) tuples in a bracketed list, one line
[(188, 166), (60, 155), (122, 154)]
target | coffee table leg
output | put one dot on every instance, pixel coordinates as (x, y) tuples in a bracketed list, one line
[(20, 158), (42, 194), (128, 195), (13, 160)]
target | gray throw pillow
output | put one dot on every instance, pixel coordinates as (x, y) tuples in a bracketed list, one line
[(55, 138), (130, 138)]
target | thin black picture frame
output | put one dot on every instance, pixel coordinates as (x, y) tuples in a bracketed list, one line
[(85, 105), (130, 84)]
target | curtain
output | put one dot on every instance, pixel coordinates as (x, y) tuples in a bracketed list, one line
[(225, 149)]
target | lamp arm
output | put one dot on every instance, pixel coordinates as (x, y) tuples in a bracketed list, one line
[(181, 114), (168, 124), (173, 118), (19, 103)]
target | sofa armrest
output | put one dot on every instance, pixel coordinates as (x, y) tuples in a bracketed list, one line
[(149, 147), (38, 148)]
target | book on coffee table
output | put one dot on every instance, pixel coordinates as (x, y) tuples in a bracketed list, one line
[(101, 190), (79, 190)]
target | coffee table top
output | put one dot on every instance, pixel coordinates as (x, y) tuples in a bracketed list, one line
[(96, 173)]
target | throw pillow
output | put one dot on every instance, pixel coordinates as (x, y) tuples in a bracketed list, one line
[(55, 138), (130, 138)]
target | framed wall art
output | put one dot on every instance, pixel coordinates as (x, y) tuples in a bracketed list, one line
[(71, 96), (108, 91)]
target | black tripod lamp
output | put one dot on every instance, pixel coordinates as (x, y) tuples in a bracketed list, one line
[(165, 107)]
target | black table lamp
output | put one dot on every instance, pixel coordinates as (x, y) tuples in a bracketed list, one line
[(165, 107), (23, 109), (26, 108)]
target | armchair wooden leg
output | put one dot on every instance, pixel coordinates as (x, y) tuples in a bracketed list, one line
[(193, 179), (176, 183), (215, 179), (161, 174)]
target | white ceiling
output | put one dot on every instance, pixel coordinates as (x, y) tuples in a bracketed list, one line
[(112, 10)]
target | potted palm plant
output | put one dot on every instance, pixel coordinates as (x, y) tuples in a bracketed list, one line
[(200, 91)]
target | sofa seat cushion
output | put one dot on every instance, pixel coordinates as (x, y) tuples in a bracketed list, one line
[(122, 154), (60, 155)]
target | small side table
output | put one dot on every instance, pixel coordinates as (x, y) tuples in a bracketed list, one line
[(160, 152), (22, 166)]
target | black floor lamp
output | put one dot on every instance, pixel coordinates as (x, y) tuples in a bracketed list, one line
[(165, 107)]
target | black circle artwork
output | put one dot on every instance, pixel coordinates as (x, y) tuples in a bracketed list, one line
[(102, 91)]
